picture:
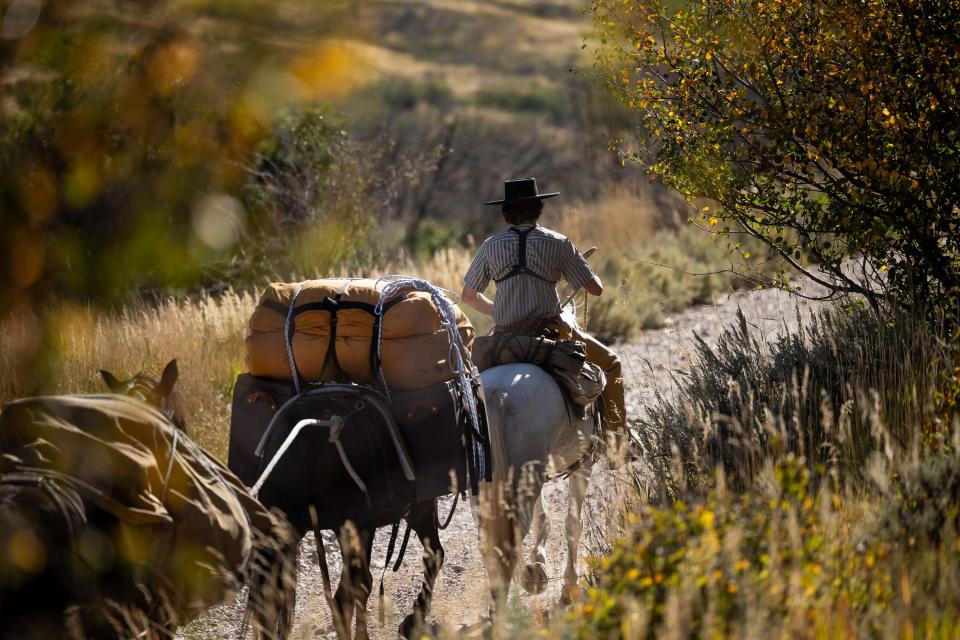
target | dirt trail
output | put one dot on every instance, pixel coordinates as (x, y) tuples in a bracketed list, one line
[(461, 594)]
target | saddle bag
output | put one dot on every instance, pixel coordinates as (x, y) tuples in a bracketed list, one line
[(432, 424), (352, 466), (565, 360), (255, 401)]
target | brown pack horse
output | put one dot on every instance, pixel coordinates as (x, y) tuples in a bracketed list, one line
[(67, 570)]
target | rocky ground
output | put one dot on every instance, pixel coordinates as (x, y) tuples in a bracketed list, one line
[(461, 595)]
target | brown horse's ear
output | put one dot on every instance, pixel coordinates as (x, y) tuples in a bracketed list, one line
[(112, 383), (168, 378)]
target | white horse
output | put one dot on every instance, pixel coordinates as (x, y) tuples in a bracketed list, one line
[(533, 434)]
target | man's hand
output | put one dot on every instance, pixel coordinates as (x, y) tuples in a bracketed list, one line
[(478, 301), (594, 287)]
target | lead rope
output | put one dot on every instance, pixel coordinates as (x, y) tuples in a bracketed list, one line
[(336, 427), (394, 531), (442, 527)]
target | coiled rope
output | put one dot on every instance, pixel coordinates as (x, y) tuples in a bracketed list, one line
[(458, 357)]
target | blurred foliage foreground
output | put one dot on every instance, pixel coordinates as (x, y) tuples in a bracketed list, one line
[(131, 139)]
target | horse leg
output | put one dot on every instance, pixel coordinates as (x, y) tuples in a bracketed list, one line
[(362, 593), (535, 573), (507, 512), (423, 520), (340, 625), (343, 616), (352, 549), (574, 527), (497, 539)]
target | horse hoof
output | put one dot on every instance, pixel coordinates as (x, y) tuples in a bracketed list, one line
[(535, 578), (407, 627), (568, 593)]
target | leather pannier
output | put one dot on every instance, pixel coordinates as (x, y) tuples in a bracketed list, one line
[(255, 401), (358, 471), (433, 422)]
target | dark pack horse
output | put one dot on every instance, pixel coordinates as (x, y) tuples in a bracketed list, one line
[(114, 524), (351, 458)]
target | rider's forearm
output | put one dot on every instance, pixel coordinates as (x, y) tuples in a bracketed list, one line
[(481, 303), (477, 300), (594, 287)]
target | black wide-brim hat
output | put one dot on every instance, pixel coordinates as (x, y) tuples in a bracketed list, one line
[(520, 190)]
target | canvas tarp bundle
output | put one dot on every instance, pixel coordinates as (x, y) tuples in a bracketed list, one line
[(413, 349), (565, 360), (187, 520)]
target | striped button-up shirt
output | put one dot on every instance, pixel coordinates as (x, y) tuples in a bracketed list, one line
[(525, 298)]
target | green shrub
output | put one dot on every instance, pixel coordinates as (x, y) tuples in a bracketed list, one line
[(432, 236), (767, 110), (925, 502), (400, 94), (556, 104)]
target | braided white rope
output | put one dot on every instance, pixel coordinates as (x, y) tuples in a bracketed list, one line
[(458, 357)]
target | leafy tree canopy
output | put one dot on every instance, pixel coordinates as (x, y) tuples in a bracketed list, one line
[(826, 128)]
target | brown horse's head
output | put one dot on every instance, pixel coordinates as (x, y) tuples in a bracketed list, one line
[(157, 394)]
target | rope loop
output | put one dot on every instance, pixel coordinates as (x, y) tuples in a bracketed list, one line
[(458, 356)]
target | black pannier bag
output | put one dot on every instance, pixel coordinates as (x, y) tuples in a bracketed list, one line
[(351, 468), (255, 401), (431, 422)]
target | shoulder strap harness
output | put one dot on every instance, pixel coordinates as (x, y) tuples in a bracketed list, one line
[(521, 266)]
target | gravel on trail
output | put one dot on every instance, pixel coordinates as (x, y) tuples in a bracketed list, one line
[(461, 595)]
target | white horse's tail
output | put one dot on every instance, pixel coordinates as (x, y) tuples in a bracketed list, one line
[(499, 530), (496, 424)]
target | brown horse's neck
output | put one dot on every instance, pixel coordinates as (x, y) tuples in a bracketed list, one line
[(173, 409), (170, 405)]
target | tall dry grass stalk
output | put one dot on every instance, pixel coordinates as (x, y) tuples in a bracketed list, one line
[(619, 223)]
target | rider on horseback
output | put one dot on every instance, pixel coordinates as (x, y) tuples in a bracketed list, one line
[(526, 261)]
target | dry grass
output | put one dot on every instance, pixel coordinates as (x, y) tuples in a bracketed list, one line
[(821, 493), (622, 222), (62, 349), (843, 522)]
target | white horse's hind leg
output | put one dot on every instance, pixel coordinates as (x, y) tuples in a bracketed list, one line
[(535, 573), (579, 480)]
